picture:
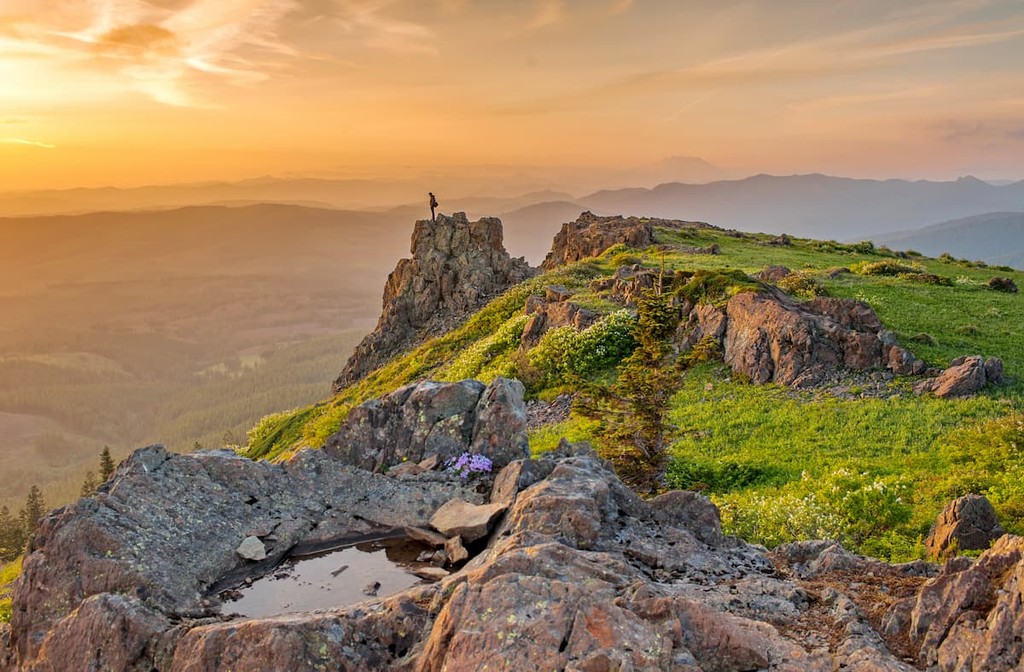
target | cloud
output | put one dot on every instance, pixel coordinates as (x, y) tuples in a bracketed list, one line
[(139, 39), (549, 12), (873, 48), (26, 143), (987, 133)]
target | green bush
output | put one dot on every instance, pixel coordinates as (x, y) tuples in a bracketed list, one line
[(717, 476), (478, 356), (886, 267), (802, 284), (8, 574), (927, 279), (712, 286), (849, 507), (565, 352)]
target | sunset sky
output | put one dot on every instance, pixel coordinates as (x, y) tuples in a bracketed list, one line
[(129, 92)]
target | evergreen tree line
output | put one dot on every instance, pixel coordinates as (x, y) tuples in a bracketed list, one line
[(16, 530)]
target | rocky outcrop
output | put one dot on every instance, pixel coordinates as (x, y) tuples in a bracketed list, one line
[(578, 574), (109, 579), (968, 523), (772, 339), (552, 311), (440, 421), (456, 267), (591, 235), (965, 376), (970, 616)]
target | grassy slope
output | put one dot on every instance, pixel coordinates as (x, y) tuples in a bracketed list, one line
[(766, 453)]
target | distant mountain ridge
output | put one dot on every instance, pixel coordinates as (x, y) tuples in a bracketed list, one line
[(818, 206), (994, 237)]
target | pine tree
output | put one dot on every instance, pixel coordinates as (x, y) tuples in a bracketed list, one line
[(634, 410), (106, 464), (35, 509), (12, 539), (89, 484)]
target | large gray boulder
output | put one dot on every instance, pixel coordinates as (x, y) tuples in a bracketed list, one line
[(432, 419)]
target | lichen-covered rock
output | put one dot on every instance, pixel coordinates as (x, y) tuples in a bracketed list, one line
[(431, 420), (968, 523), (456, 267), (970, 616), (165, 529), (580, 574)]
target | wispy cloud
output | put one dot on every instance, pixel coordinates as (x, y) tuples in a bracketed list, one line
[(26, 143), (873, 47), (548, 13), (166, 50)]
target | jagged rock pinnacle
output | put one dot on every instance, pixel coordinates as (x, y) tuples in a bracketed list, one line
[(456, 267)]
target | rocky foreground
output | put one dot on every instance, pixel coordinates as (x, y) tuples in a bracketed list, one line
[(571, 570)]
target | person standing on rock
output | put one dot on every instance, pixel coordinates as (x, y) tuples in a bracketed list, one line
[(433, 206)]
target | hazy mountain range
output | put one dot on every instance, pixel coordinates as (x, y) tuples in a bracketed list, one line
[(995, 238)]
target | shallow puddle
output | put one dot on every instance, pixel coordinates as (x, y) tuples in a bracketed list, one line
[(330, 580)]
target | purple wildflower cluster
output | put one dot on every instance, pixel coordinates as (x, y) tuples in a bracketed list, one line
[(467, 464)]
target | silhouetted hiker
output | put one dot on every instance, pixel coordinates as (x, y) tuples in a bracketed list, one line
[(433, 205)]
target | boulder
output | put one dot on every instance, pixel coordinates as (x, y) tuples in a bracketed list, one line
[(547, 314), (968, 523), (432, 423), (772, 274), (457, 266), (771, 338), (456, 552), (161, 535), (965, 376), (459, 518)]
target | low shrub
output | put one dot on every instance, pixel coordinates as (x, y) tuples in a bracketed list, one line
[(886, 267), (712, 286), (927, 279), (717, 476), (802, 284), (1002, 285), (849, 507), (565, 352)]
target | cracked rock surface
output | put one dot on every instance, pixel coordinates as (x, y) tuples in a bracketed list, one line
[(578, 574)]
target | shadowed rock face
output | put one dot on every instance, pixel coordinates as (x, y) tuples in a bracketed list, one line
[(456, 267), (968, 523)]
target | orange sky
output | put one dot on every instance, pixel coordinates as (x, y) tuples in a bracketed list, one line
[(130, 92)]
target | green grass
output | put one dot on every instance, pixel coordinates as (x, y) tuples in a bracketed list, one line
[(782, 464), (8, 574)]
